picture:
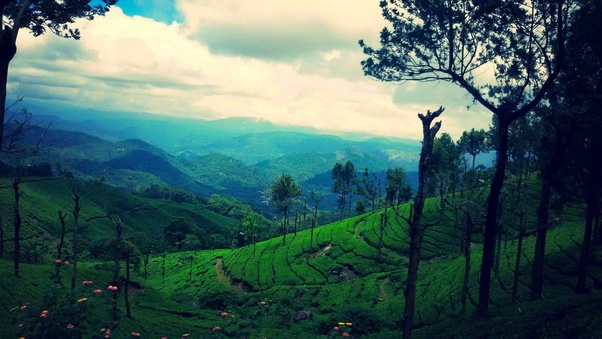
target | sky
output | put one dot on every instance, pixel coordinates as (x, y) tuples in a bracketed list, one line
[(289, 62)]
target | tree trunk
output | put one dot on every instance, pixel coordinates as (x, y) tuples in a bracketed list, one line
[(126, 293), (415, 222), (8, 48), (593, 204), (75, 234), (17, 224), (284, 226), (491, 218), (469, 224), (1, 237), (519, 251), (543, 212)]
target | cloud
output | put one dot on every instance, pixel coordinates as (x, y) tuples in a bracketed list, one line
[(280, 30), (307, 71)]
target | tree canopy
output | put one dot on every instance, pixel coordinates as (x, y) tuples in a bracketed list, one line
[(38, 17)]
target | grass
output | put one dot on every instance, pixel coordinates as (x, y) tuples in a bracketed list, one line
[(344, 271)]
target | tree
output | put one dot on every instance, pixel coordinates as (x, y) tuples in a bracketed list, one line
[(39, 16), (415, 220), (317, 198), (284, 192), (456, 41), (343, 178), (397, 189), (443, 168), (473, 142)]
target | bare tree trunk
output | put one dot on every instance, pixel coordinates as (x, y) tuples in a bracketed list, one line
[(126, 286), (1, 237), (468, 230), (415, 220), (17, 224), (75, 235), (593, 204), (543, 212), (491, 224)]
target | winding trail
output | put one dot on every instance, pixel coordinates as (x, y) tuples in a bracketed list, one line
[(221, 276), (383, 293)]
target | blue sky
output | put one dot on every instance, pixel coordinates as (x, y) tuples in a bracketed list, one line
[(288, 62), (160, 10)]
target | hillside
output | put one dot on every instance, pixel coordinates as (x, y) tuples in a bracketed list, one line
[(346, 275), (135, 165), (144, 219)]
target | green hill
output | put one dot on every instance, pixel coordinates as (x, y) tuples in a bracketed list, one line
[(145, 223), (349, 274)]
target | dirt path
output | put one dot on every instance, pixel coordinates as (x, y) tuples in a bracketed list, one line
[(221, 276), (383, 293)]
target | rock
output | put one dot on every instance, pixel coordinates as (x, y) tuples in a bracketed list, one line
[(304, 315)]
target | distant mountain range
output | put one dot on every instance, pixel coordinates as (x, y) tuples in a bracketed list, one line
[(239, 157)]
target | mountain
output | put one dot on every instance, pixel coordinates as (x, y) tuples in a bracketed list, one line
[(247, 139)]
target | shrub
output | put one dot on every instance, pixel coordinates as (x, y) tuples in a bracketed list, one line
[(364, 320)]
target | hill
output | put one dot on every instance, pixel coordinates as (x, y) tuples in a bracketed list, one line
[(351, 274), (144, 219)]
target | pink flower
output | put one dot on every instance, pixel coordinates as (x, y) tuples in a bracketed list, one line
[(336, 328), (263, 303), (23, 307), (345, 334), (97, 291), (66, 263), (70, 326), (216, 328), (43, 315), (87, 282), (135, 334), (112, 288), (57, 261), (224, 314), (20, 325)]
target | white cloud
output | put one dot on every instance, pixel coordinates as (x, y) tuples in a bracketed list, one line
[(137, 64)]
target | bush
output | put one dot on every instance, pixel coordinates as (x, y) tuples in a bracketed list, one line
[(364, 320), (219, 300)]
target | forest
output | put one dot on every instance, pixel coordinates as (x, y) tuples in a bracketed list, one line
[(102, 239)]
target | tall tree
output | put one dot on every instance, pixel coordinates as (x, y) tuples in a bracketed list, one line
[(343, 177), (397, 189), (39, 16), (284, 192), (417, 226), (443, 169), (473, 142), (457, 41)]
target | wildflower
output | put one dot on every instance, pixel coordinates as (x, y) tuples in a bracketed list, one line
[(135, 334), (336, 328), (70, 326), (20, 325), (82, 300), (66, 263), (185, 335), (43, 315), (23, 307), (216, 328), (224, 314), (87, 282), (345, 334), (263, 303), (97, 291), (57, 261), (112, 288)]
